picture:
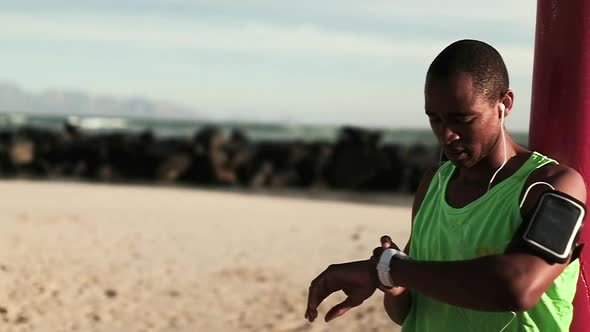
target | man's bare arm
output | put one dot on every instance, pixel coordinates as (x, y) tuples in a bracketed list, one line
[(511, 281)]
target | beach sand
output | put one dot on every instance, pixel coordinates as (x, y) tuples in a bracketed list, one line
[(90, 257)]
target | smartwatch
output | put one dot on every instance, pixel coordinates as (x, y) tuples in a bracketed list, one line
[(383, 267)]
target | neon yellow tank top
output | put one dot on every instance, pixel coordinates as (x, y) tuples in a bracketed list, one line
[(482, 227)]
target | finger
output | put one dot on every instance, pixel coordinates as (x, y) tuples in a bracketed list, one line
[(386, 241), (383, 288), (311, 312), (311, 315), (392, 291), (318, 291), (377, 252), (341, 308)]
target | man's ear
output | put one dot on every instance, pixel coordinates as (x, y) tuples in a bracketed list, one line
[(507, 100)]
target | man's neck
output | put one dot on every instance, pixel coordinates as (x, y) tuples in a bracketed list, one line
[(486, 167)]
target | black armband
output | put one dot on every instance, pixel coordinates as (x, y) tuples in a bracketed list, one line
[(554, 226)]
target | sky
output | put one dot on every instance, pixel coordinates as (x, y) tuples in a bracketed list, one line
[(337, 62)]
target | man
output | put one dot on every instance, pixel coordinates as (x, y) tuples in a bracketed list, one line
[(469, 268)]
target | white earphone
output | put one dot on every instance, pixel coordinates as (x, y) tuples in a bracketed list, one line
[(503, 109)]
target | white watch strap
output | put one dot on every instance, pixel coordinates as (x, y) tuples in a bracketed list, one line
[(383, 266)]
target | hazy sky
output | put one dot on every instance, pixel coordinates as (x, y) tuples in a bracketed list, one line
[(307, 61)]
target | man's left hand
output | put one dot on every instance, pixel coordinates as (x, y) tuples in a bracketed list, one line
[(358, 280)]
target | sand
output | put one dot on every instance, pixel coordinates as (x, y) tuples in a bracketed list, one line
[(88, 257)]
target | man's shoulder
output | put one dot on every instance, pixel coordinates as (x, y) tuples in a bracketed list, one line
[(562, 177), (427, 177), (555, 173), (430, 172)]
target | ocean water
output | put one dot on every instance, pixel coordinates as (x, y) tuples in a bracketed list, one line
[(187, 128)]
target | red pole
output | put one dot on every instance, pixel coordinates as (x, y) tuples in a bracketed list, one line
[(560, 109)]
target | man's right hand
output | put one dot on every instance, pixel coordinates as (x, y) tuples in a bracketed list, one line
[(386, 242)]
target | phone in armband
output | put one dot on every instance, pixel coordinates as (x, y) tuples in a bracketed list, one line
[(554, 226)]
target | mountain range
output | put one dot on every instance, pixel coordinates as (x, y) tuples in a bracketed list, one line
[(14, 99)]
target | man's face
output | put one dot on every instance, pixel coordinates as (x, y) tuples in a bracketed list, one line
[(464, 122)]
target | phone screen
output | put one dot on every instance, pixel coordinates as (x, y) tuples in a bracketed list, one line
[(554, 224)]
